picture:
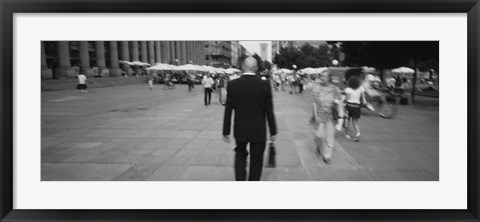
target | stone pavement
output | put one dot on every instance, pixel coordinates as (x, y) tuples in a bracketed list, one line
[(130, 133)]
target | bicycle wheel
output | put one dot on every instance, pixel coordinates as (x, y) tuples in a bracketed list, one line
[(388, 111)]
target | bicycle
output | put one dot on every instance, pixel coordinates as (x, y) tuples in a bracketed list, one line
[(385, 104)]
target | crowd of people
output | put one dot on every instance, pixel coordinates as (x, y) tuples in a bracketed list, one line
[(334, 110)]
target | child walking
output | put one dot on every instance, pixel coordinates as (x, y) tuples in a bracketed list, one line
[(354, 96)]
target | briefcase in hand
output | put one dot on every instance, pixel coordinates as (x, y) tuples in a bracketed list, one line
[(271, 156)]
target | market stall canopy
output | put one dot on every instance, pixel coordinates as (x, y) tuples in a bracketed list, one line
[(232, 70), (208, 68), (321, 69), (311, 71), (308, 71), (200, 67), (220, 70), (134, 63), (188, 67), (138, 63), (368, 69), (403, 70), (162, 66), (126, 62)]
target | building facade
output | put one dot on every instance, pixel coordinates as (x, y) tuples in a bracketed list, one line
[(235, 51), (219, 53), (66, 59)]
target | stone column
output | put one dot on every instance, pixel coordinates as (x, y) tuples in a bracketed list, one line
[(114, 69), (135, 57), (46, 72), (202, 53), (172, 51), (165, 51), (135, 51), (178, 52), (144, 54), (197, 52), (84, 58), (157, 55), (187, 49), (64, 68), (125, 57), (100, 55), (194, 52), (183, 47), (191, 52)]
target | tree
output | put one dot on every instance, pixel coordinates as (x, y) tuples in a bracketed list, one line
[(287, 57), (242, 58), (306, 56), (267, 65), (261, 65)]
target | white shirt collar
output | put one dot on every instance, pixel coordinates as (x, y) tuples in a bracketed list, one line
[(249, 73)]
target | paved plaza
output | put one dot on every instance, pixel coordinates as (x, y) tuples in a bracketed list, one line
[(130, 133)]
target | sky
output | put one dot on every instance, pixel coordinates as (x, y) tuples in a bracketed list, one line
[(254, 47)]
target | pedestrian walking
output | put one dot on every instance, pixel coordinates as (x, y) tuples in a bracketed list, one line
[(207, 83), (276, 81), (251, 99), (82, 83), (215, 84), (150, 83), (354, 97), (222, 81), (190, 81), (326, 98), (290, 81), (301, 84), (283, 79)]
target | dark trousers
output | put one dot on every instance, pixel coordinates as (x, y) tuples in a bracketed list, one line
[(208, 93), (190, 85), (256, 160)]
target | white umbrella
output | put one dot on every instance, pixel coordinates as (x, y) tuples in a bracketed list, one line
[(321, 69), (188, 67), (403, 70), (368, 69), (233, 70), (161, 66), (138, 63), (208, 68), (220, 70), (229, 71), (308, 71), (199, 67), (126, 62)]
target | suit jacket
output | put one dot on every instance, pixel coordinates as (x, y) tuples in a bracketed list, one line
[(251, 98)]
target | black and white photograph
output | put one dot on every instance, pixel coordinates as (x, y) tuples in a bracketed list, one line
[(234, 110)]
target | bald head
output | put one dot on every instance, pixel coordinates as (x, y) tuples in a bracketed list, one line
[(250, 65)]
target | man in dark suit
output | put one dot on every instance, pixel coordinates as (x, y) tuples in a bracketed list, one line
[(251, 98)]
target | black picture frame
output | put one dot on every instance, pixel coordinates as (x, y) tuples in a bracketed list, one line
[(9, 7)]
